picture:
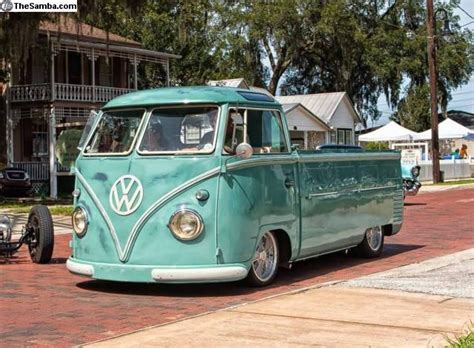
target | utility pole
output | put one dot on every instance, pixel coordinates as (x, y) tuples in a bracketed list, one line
[(431, 22)]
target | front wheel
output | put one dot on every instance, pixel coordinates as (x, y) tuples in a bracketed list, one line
[(41, 242), (265, 261), (372, 245)]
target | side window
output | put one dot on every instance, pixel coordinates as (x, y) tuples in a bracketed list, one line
[(265, 131), (234, 134)]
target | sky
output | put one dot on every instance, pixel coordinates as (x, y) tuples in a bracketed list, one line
[(463, 98)]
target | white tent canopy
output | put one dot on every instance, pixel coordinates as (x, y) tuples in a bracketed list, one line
[(448, 129), (392, 131)]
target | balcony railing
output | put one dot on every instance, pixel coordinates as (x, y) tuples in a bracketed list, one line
[(38, 171), (39, 92), (65, 92)]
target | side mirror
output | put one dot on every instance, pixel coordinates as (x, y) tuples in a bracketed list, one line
[(244, 151), (295, 147)]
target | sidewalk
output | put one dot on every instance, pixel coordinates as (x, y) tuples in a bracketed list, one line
[(357, 313), (436, 188)]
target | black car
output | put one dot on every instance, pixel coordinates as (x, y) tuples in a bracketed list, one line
[(15, 182)]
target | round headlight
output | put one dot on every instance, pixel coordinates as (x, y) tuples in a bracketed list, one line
[(79, 221), (186, 224)]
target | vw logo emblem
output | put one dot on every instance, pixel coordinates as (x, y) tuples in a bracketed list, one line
[(126, 195)]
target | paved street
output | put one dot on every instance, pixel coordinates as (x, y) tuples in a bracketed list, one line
[(340, 314), (46, 304)]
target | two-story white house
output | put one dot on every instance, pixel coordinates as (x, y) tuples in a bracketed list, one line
[(72, 68)]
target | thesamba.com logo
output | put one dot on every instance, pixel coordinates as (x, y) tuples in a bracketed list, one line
[(6, 5)]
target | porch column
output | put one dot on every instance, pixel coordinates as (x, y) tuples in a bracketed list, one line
[(135, 80), (67, 65), (53, 185), (9, 131), (53, 90), (168, 72), (93, 76), (306, 140)]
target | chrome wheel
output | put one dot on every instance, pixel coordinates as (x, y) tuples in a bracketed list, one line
[(374, 236), (265, 261)]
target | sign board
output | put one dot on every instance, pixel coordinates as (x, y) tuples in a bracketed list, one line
[(411, 157)]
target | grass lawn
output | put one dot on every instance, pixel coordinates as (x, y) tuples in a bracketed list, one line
[(456, 182), (24, 207)]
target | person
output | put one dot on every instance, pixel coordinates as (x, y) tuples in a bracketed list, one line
[(455, 154), (153, 139), (463, 152)]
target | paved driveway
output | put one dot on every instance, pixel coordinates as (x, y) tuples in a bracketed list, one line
[(46, 304)]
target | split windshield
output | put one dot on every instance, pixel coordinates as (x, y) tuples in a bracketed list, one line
[(180, 130), (115, 133)]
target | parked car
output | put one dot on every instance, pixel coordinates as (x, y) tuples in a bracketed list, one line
[(410, 175), (15, 182)]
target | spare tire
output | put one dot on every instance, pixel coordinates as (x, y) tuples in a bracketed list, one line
[(41, 242)]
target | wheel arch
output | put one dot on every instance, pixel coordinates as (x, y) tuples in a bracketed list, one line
[(284, 246)]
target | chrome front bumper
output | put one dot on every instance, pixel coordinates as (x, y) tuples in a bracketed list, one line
[(154, 274)]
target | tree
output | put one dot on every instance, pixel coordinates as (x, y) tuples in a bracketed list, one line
[(414, 109), (370, 48)]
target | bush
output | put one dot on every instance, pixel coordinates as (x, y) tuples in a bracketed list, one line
[(376, 145)]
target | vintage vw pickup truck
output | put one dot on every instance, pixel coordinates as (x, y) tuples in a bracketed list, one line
[(201, 184)]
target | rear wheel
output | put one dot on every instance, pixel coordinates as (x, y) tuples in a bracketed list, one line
[(265, 261), (372, 245), (41, 242)]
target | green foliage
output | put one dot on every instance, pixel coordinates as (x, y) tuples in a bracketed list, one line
[(414, 109), (463, 341), (66, 147), (376, 145)]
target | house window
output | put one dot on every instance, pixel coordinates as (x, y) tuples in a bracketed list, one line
[(340, 136), (347, 136), (39, 139), (344, 136), (333, 139)]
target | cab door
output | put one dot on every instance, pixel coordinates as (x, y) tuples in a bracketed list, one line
[(260, 193)]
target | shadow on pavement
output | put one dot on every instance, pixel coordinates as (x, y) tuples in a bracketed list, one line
[(410, 204), (58, 260), (300, 271)]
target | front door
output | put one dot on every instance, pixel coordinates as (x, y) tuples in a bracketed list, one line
[(260, 193)]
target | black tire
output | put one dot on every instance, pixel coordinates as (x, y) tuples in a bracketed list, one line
[(254, 278), (368, 248), (42, 241)]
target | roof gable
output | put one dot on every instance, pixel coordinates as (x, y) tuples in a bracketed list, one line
[(293, 108), (321, 104)]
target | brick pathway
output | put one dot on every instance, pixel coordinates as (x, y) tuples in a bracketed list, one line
[(46, 305)]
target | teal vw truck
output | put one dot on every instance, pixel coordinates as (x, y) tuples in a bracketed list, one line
[(201, 184)]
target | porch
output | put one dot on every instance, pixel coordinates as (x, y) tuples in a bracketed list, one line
[(64, 92), (64, 78)]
